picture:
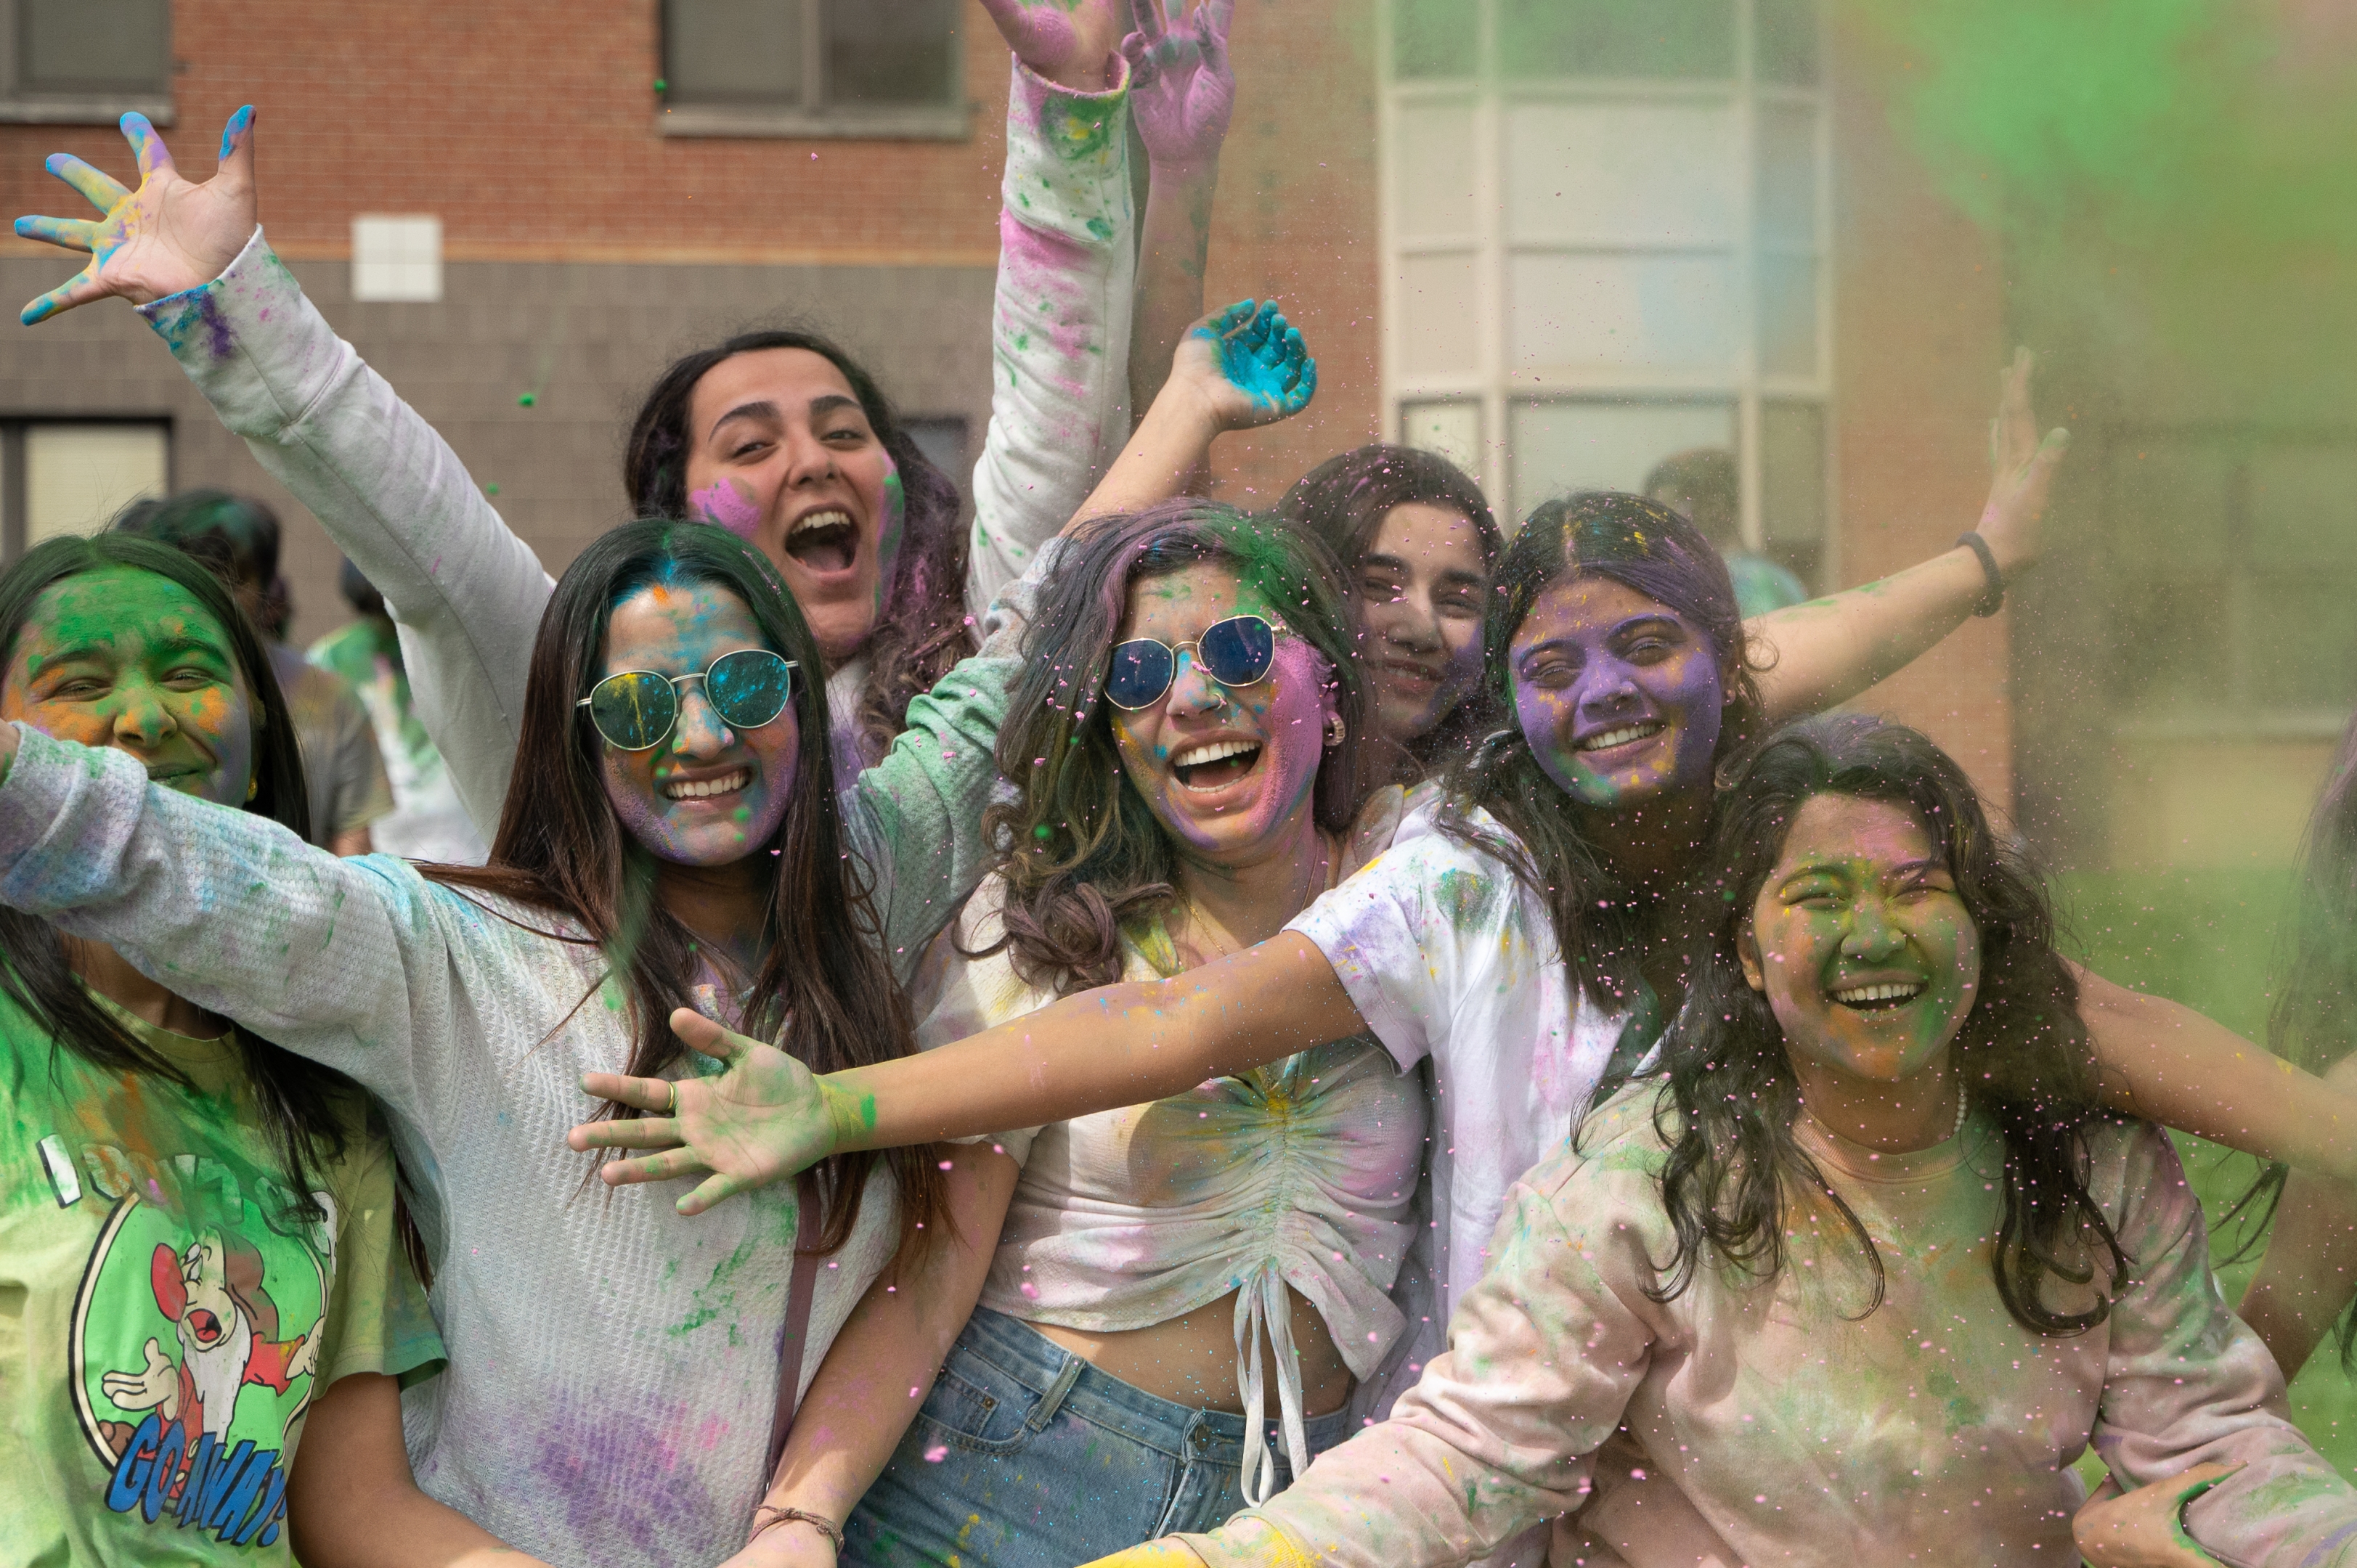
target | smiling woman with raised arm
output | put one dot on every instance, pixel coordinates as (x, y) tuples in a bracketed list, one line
[(210, 1317), (1859, 1276), (779, 436)]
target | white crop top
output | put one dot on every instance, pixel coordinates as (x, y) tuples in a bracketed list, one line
[(1299, 1174)]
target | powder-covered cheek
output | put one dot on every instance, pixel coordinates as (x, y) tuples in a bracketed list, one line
[(730, 503)]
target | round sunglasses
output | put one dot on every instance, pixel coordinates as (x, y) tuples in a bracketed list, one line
[(635, 710), (1234, 652)]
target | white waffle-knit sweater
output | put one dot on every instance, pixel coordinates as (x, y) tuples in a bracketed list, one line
[(612, 1366)]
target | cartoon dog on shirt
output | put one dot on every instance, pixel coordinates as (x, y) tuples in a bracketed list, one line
[(228, 1329)]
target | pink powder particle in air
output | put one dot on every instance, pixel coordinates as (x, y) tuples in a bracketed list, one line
[(937, 1453)]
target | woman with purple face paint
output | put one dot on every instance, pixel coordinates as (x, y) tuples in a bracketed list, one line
[(1859, 1276), (777, 436), (613, 1370), (1182, 1291)]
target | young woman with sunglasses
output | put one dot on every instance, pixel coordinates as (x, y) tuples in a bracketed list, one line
[(209, 1316), (778, 435), (613, 1370), (1170, 1276)]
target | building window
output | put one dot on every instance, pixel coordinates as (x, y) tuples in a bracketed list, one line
[(60, 477), (397, 258), (86, 60), (813, 68), (1606, 230)]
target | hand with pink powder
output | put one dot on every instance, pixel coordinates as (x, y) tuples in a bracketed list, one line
[(1183, 88), (170, 234), (1072, 43)]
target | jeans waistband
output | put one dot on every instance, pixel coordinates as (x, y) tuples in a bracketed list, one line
[(1039, 1363)]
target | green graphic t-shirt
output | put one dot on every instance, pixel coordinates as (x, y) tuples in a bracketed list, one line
[(167, 1312)]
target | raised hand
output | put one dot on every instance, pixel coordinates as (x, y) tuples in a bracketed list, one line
[(1246, 365), (2012, 520), (168, 235), (1181, 87), (767, 1117), (1072, 43), (2146, 1527)]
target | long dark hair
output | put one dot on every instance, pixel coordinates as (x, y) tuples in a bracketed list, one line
[(296, 1099), (823, 993), (1344, 501), (2022, 1053), (1600, 923), (1086, 855), (921, 629)]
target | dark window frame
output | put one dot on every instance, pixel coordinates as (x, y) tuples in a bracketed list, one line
[(21, 105), (951, 119)]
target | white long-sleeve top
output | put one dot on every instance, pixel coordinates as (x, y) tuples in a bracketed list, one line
[(1744, 1422), (467, 594), (613, 1366)]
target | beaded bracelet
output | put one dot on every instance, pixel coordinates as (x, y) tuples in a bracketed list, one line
[(769, 1514)]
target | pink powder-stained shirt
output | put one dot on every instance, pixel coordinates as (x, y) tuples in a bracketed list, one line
[(1754, 1423)]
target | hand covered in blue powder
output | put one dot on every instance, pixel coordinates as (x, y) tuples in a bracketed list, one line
[(764, 1119), (1071, 43), (1181, 87), (168, 235), (2146, 1527), (1247, 365)]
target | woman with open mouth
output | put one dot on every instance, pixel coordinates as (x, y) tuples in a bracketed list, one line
[(1858, 1274), (777, 436), (1170, 1281), (211, 1315)]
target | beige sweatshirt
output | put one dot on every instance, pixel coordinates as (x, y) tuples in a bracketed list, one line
[(1742, 1423)]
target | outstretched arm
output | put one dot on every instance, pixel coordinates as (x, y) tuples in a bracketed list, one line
[(1182, 91), (768, 1117), (466, 592), (2310, 1273), (1828, 650), (2164, 1062)]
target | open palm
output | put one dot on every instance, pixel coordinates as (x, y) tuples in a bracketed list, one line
[(168, 235), (1183, 88), (763, 1118), (2013, 520), (1247, 364)]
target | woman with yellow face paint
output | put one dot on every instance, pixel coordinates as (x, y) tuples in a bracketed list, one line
[(213, 1318)]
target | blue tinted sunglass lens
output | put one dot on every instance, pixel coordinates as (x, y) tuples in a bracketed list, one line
[(633, 710), (1140, 672), (1237, 652), (748, 689)]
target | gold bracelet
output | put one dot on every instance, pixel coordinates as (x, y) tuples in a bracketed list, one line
[(776, 1515)]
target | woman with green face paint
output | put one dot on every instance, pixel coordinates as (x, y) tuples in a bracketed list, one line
[(197, 1238), (1858, 1274)]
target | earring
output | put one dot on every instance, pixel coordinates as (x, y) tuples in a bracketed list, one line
[(253, 787), (1334, 730)]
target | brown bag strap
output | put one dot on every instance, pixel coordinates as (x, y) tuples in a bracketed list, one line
[(799, 1292)]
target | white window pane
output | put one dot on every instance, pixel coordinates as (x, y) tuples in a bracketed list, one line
[(397, 258), (733, 51), (1670, 313), (1560, 447), (891, 51), (1786, 41), (2303, 510), (94, 46), (1788, 177), (1438, 316), (1614, 37), (1451, 429), (1433, 37), (1432, 174), (77, 476), (1787, 315), (1653, 173), (1792, 473)]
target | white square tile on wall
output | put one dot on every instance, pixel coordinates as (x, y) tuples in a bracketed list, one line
[(397, 257)]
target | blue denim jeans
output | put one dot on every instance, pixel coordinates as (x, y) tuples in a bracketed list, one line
[(1026, 1456)]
